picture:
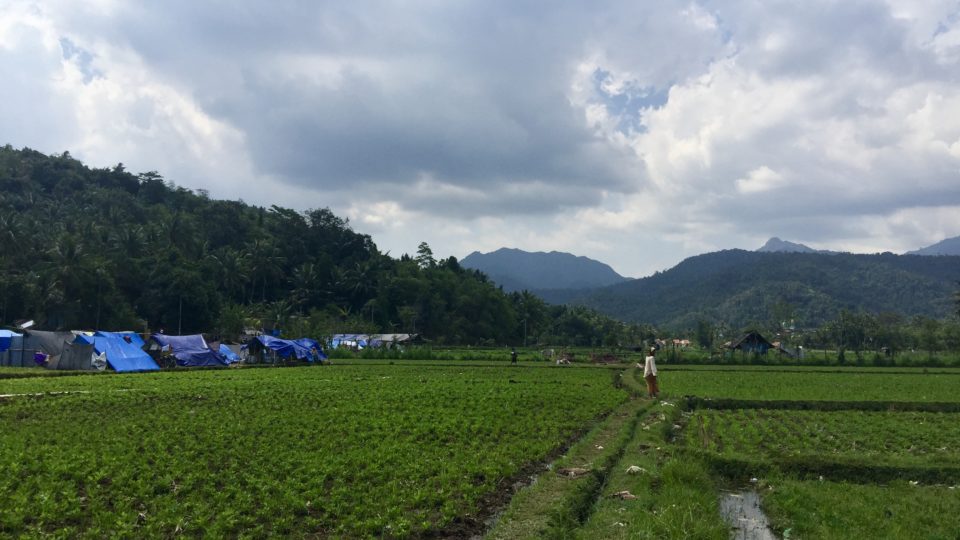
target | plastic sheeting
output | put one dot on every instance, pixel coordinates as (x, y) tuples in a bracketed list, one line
[(123, 349), (286, 348), (190, 351), (6, 339), (229, 354), (313, 346)]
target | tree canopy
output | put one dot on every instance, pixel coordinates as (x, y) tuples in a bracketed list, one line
[(106, 248)]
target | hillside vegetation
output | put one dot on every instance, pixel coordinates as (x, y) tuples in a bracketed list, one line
[(108, 249), (744, 288)]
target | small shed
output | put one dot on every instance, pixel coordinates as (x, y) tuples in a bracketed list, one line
[(751, 342)]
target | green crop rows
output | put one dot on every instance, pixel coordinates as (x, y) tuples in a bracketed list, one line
[(842, 510), (852, 385), (832, 453), (351, 451), (889, 438), (435, 449)]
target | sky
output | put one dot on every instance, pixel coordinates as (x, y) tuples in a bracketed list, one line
[(637, 133)]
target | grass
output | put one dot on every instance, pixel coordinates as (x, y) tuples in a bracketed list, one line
[(840, 510)]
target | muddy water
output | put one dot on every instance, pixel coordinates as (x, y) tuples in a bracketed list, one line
[(747, 520)]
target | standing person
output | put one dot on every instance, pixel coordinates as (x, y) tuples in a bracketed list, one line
[(513, 356), (650, 373)]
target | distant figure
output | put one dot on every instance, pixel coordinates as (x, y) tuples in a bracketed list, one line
[(513, 356), (650, 373)]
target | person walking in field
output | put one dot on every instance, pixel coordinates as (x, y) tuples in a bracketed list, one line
[(650, 373), (513, 356)]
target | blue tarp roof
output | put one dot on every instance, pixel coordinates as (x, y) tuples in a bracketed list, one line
[(286, 348), (190, 351), (353, 340), (228, 354), (123, 349), (6, 338)]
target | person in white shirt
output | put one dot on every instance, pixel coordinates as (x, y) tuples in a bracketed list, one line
[(650, 373)]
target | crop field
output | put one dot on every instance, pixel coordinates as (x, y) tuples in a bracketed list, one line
[(888, 438), (814, 385), (843, 510), (369, 448), (832, 453), (352, 451)]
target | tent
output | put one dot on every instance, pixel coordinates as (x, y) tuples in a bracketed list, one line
[(11, 349), (6, 339), (301, 349), (229, 354), (124, 350), (61, 350), (313, 346), (390, 340), (354, 341), (190, 351)]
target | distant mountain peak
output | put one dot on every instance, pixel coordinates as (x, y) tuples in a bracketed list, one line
[(949, 246), (777, 245), (516, 269)]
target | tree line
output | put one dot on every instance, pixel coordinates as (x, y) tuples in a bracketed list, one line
[(89, 248)]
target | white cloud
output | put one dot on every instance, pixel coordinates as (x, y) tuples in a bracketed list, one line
[(760, 180), (638, 133)]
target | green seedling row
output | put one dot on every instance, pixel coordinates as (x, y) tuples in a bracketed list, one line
[(812, 385), (880, 438), (901, 510), (343, 451)]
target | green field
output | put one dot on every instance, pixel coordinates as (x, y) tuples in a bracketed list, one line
[(815, 384), (882, 438), (344, 450), (370, 448)]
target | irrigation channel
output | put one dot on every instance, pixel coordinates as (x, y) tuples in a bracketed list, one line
[(622, 480), (747, 520)]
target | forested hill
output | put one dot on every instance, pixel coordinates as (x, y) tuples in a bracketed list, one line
[(104, 248), (518, 270), (743, 288)]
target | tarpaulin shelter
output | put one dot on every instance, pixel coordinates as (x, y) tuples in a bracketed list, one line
[(230, 355), (60, 349), (354, 341), (190, 351), (11, 349), (390, 340), (313, 346), (302, 349), (124, 350), (6, 339)]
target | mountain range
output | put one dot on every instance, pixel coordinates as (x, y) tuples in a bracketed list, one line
[(780, 280)]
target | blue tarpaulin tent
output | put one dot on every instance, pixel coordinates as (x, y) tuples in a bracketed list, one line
[(302, 349), (6, 338), (124, 350), (190, 351), (313, 346), (357, 341), (228, 354)]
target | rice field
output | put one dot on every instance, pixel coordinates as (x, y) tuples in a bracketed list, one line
[(417, 449)]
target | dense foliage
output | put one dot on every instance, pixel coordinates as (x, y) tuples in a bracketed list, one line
[(104, 248), (737, 288)]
